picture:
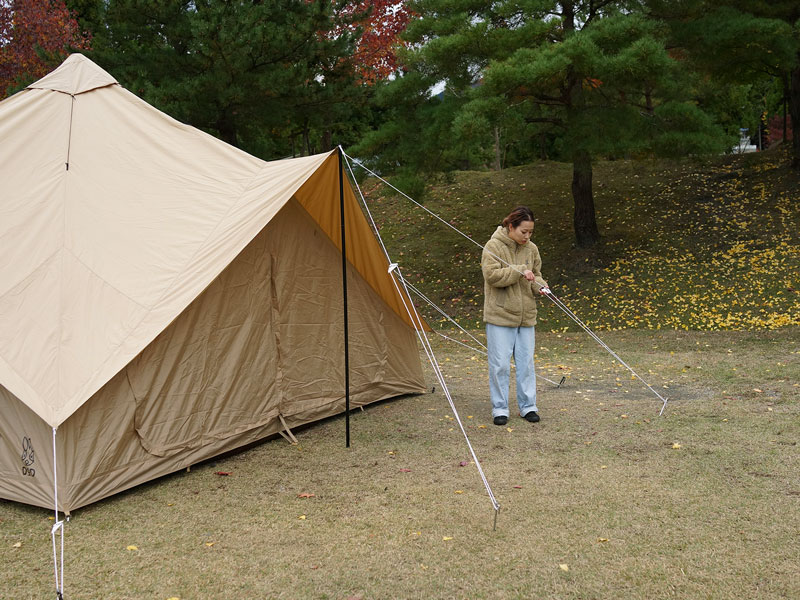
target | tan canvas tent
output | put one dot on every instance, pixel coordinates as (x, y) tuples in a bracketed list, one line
[(165, 297)]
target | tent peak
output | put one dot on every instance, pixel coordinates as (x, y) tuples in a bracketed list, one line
[(77, 74)]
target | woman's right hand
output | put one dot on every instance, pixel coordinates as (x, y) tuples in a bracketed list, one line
[(528, 274)]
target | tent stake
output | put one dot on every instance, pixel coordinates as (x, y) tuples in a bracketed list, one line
[(344, 296)]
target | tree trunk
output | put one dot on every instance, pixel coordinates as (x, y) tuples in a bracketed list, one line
[(327, 140), (306, 141), (794, 112), (584, 221), (498, 162), (227, 130), (785, 102)]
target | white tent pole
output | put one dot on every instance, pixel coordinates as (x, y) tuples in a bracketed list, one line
[(58, 526)]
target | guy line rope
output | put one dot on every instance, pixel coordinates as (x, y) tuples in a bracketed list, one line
[(418, 325), (545, 291), (423, 338)]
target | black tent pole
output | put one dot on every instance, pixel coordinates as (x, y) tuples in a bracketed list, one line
[(344, 295)]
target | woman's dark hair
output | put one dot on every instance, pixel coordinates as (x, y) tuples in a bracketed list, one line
[(517, 216)]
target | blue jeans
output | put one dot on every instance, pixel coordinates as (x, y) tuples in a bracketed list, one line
[(503, 342)]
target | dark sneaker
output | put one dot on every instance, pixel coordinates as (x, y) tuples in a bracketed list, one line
[(500, 420), (532, 416)]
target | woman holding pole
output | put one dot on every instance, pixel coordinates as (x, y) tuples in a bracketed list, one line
[(512, 277)]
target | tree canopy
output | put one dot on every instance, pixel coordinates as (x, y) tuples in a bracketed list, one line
[(425, 86), (583, 79)]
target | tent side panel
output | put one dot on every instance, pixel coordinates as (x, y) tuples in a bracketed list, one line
[(384, 359), (264, 339), (26, 454), (207, 384)]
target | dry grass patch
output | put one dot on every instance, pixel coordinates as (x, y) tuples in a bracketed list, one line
[(700, 503)]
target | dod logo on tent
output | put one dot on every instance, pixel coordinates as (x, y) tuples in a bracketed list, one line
[(165, 297)]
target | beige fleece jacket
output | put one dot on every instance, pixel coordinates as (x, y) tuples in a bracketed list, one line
[(509, 299)]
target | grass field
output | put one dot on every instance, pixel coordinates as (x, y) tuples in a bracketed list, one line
[(703, 502), (604, 499)]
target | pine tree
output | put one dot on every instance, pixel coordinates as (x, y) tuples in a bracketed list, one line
[(747, 41), (265, 76), (595, 78)]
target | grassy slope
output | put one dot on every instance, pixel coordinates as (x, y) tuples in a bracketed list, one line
[(684, 246)]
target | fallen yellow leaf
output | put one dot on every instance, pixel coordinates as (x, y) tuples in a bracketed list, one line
[(302, 517), (564, 567), (459, 491), (446, 539), (603, 466), (758, 390), (602, 539), (17, 545), (481, 426), (173, 598), (132, 548), (509, 429), (676, 446), (209, 544)]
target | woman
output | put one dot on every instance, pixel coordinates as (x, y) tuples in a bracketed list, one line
[(512, 277)]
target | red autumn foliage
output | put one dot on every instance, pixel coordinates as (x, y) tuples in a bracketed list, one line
[(775, 129), (28, 26), (375, 57)]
